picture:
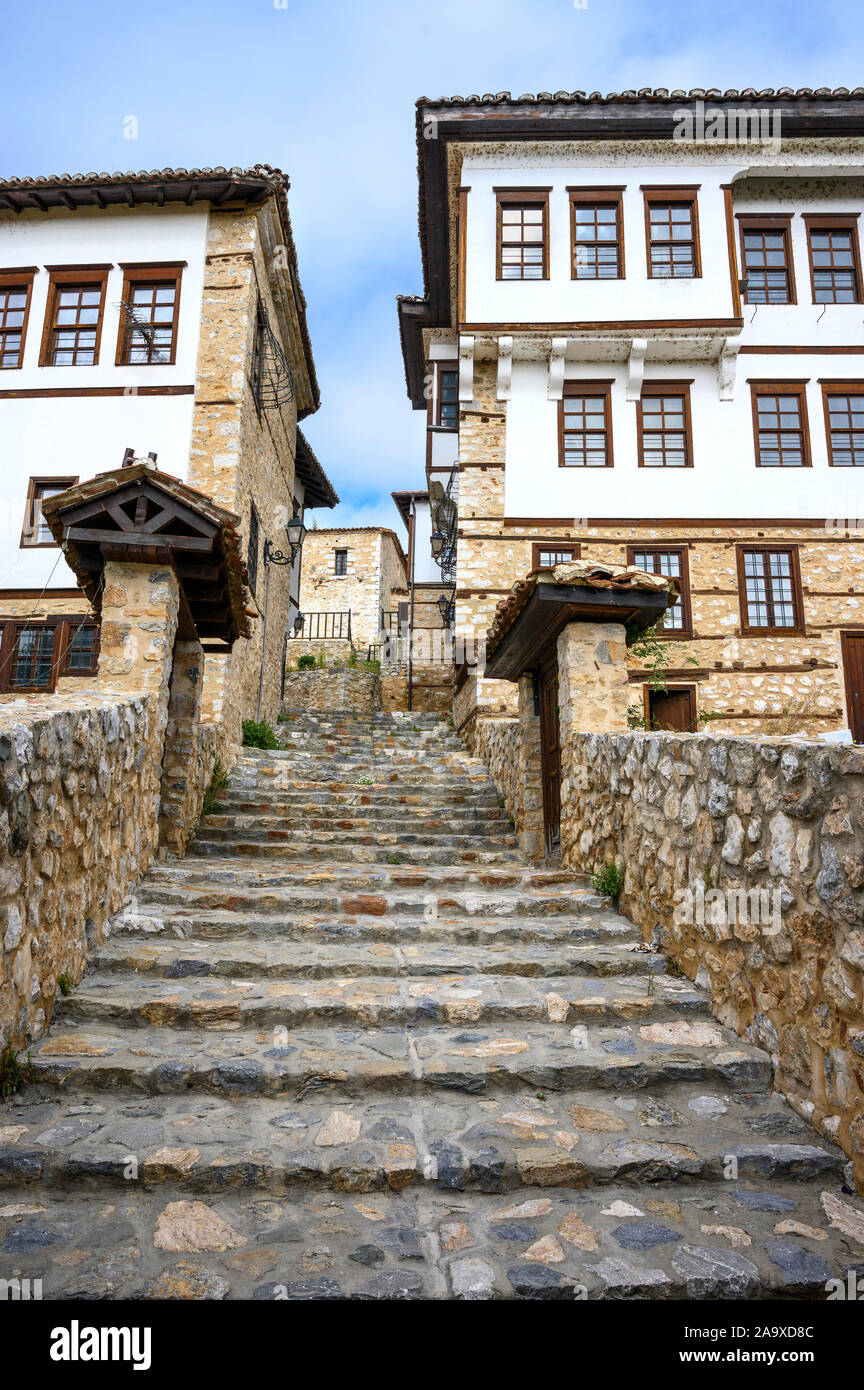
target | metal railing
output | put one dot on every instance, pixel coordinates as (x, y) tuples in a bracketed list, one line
[(324, 627)]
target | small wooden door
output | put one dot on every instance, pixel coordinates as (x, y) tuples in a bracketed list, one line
[(673, 710), (550, 750), (853, 666)]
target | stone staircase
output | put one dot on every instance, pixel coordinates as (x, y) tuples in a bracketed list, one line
[(353, 1045)]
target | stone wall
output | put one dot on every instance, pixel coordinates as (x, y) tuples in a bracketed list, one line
[(241, 456), (92, 785), (79, 807), (357, 692), (510, 749), (375, 568), (696, 820)]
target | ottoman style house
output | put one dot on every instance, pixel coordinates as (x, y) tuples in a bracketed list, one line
[(156, 316), (641, 348)]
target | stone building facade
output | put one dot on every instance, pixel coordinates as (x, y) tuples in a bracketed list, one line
[(352, 582), (191, 345), (523, 335)]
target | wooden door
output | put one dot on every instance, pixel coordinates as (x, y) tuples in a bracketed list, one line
[(853, 666), (550, 750), (673, 710)]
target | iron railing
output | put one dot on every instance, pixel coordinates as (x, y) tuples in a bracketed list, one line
[(323, 627)]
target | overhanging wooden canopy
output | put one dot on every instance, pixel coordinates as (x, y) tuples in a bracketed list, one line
[(139, 515), (548, 608)]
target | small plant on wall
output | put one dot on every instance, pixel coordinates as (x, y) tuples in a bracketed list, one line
[(608, 880), (219, 782), (306, 662), (259, 735)]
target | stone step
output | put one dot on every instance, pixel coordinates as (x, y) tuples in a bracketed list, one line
[(603, 1242), (365, 801), (328, 831), (221, 925), (438, 760), (397, 1060), (431, 740), (358, 960), (552, 887), (366, 899), (340, 776), (352, 821), (573, 1139), (395, 852), (599, 984)]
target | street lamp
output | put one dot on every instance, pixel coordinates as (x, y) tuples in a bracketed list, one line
[(298, 624), (437, 541), (446, 609), (296, 533)]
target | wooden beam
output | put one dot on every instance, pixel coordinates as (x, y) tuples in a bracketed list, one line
[(203, 544)]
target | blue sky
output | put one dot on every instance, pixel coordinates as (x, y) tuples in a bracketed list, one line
[(325, 90)]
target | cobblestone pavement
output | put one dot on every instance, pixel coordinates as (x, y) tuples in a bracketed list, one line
[(355, 1046)]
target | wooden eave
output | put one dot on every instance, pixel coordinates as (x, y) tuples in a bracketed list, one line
[(138, 515), (550, 607)]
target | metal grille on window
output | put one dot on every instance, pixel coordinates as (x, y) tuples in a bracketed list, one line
[(445, 518), (252, 549), (271, 378)]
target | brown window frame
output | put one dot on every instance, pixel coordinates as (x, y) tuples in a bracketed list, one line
[(837, 388), (781, 388), (523, 197), (670, 195), (799, 629), (773, 222), (553, 544), (70, 628), (13, 281), (69, 277), (28, 528), (163, 273), (831, 222), (64, 627), (595, 389), (664, 388), (434, 407), (598, 198), (340, 573), (686, 628)]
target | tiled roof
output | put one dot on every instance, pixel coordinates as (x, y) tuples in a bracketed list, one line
[(155, 187), (588, 573), (655, 94)]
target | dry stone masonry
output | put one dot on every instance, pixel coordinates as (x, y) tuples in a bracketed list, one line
[(769, 834)]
